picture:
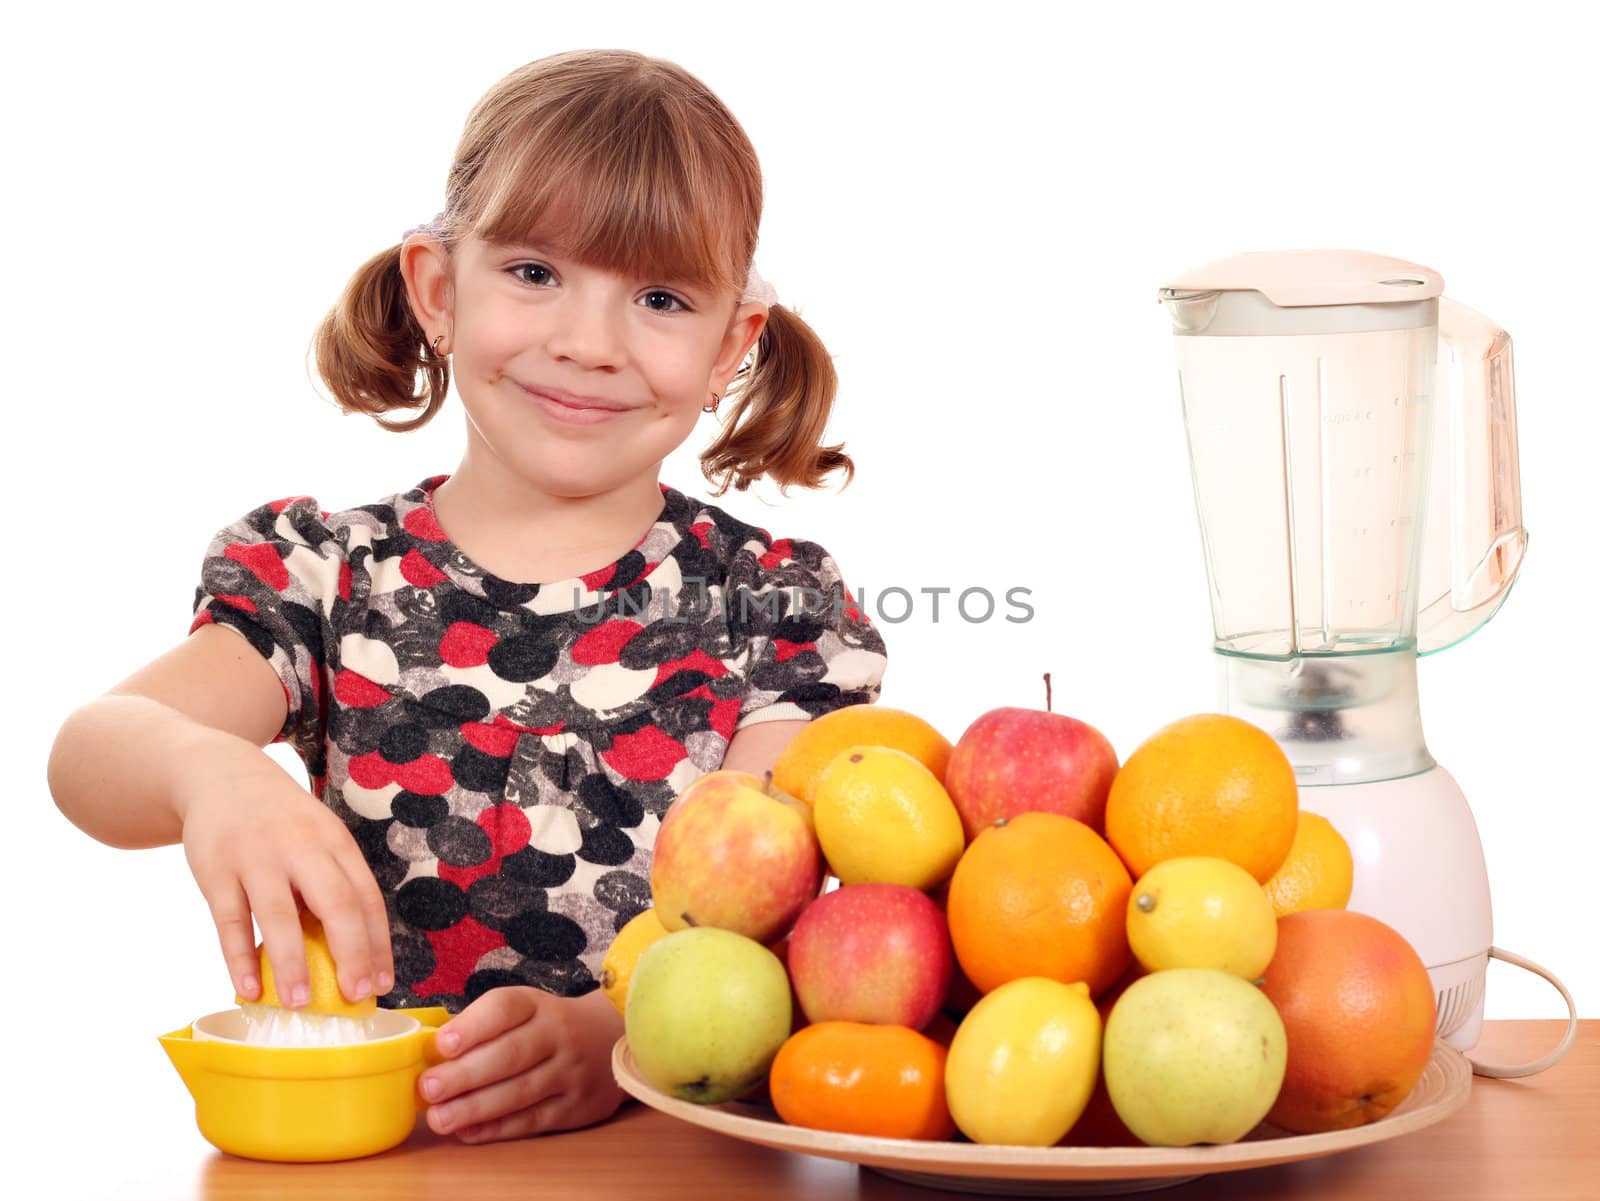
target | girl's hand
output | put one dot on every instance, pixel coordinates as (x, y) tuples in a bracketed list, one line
[(522, 1061), (254, 839)]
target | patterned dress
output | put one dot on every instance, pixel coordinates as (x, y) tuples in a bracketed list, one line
[(503, 753)]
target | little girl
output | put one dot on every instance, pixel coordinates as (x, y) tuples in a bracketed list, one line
[(499, 679)]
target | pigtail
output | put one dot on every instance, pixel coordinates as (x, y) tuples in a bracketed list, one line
[(370, 347), (780, 410)]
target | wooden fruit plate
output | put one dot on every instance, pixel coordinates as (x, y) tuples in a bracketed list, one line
[(1059, 1171)]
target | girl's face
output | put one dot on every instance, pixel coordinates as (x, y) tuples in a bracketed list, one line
[(575, 379)]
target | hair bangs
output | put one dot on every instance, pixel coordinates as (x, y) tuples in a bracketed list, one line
[(633, 192)]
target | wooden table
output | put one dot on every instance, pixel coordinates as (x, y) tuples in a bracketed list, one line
[(1535, 1139)]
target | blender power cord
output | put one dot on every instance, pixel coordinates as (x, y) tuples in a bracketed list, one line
[(1500, 1072)]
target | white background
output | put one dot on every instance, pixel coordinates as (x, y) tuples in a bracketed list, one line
[(974, 210)]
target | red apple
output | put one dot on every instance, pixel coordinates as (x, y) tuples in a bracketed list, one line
[(736, 853), (875, 953), (1013, 761)]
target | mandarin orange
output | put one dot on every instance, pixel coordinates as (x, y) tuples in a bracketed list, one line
[(858, 1078)]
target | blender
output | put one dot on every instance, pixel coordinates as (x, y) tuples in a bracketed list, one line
[(1353, 444)]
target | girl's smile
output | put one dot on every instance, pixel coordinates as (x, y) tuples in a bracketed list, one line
[(575, 409)]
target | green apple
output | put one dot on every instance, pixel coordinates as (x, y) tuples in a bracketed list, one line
[(1193, 1055), (706, 1013)]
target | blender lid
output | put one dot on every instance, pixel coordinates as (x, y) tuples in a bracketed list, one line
[(1297, 278)]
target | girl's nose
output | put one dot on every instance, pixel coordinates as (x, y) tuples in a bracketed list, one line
[(586, 328)]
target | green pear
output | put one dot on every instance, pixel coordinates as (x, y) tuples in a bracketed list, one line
[(706, 1013), (1193, 1055)]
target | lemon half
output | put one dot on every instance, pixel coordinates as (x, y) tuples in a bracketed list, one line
[(323, 977)]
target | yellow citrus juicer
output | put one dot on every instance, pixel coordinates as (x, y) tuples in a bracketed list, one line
[(305, 1104)]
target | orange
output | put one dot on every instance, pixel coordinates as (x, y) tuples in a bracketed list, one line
[(1205, 785), (1319, 872), (857, 1078), (1358, 1008), (808, 752), (1040, 894)]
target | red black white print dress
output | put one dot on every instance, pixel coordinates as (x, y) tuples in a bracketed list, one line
[(503, 753)]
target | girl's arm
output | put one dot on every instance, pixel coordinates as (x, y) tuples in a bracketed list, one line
[(173, 754), (120, 762), (756, 748)]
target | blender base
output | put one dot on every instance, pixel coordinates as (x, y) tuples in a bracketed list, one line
[(1458, 993), (1419, 868)]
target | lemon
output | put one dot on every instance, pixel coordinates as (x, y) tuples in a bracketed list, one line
[(1319, 872), (1023, 1062), (882, 817), (1197, 911), (616, 970), (323, 977)]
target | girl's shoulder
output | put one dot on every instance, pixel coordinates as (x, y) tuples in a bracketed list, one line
[(772, 582), (300, 520), (746, 550)]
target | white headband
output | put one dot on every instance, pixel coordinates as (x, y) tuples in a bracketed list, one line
[(755, 288)]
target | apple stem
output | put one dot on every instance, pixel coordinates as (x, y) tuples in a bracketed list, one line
[(766, 783), (1047, 708)]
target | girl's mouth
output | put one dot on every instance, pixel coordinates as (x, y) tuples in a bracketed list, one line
[(574, 414)]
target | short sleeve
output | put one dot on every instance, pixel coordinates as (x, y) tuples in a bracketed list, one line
[(808, 647), (270, 576)]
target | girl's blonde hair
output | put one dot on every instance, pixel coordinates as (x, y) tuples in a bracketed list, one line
[(652, 175)]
